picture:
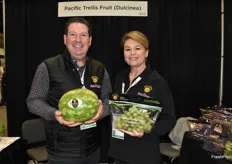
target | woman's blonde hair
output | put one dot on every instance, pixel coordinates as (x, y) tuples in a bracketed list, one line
[(137, 36)]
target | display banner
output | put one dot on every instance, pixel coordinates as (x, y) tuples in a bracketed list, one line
[(102, 8)]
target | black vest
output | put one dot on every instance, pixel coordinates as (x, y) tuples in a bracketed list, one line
[(63, 141)]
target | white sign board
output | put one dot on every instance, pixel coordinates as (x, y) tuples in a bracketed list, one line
[(102, 8)]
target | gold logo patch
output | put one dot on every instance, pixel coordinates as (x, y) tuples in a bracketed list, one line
[(115, 97), (95, 79), (147, 88)]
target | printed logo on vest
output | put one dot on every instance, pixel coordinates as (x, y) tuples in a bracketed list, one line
[(95, 79), (143, 95), (115, 97), (147, 88), (95, 86)]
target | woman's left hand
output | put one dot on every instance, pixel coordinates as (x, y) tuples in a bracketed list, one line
[(133, 134)]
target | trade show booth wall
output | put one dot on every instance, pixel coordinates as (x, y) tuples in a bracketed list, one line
[(185, 48)]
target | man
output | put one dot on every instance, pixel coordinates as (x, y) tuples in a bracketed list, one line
[(66, 142)]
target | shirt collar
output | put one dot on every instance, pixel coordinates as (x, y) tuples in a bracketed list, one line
[(145, 72), (73, 61)]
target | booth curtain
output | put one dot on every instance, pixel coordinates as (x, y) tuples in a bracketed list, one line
[(185, 45)]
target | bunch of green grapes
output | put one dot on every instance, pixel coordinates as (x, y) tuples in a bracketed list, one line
[(134, 119)]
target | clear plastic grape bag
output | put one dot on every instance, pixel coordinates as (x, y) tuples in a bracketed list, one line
[(133, 113)]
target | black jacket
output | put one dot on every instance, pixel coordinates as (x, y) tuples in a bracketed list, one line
[(64, 141), (133, 150)]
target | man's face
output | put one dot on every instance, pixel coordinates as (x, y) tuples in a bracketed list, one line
[(77, 40)]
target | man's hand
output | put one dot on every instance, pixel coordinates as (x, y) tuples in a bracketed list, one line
[(60, 119), (133, 134), (98, 115)]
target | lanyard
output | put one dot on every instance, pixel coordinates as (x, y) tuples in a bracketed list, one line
[(133, 84), (82, 78)]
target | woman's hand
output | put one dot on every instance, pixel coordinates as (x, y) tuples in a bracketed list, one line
[(133, 134), (98, 115), (60, 119)]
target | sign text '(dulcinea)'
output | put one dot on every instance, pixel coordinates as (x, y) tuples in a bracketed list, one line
[(102, 7)]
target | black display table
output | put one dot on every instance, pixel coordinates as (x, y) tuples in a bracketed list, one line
[(12, 152)]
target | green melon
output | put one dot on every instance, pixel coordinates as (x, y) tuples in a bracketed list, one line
[(79, 105)]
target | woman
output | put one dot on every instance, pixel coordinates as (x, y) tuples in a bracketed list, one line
[(136, 147)]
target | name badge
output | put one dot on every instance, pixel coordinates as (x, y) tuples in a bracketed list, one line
[(88, 126), (117, 134)]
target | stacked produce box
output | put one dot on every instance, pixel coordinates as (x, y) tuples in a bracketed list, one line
[(214, 130)]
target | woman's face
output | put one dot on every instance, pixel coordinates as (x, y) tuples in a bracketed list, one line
[(134, 53)]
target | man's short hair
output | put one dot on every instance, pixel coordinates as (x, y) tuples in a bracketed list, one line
[(78, 20)]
